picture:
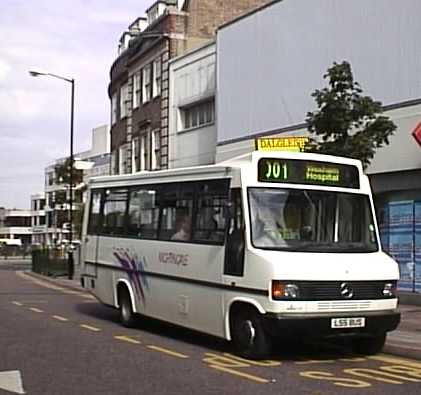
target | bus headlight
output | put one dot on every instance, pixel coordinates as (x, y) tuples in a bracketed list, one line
[(283, 290), (389, 290)]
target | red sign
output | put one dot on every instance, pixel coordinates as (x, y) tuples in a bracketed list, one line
[(417, 133)]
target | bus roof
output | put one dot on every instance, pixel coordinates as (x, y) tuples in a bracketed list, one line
[(229, 168)]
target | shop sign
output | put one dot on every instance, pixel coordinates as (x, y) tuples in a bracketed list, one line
[(282, 143), (416, 133)]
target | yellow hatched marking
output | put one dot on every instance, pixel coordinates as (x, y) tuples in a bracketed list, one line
[(264, 363), (18, 303), (90, 328), (234, 372), (396, 360), (127, 339), (59, 318), (314, 361), (36, 310), (168, 352)]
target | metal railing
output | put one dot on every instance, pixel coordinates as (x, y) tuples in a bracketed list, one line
[(50, 262)]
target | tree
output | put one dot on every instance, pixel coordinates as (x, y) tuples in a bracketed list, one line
[(62, 174), (347, 123)]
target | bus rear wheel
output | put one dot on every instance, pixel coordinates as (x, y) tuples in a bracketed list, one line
[(369, 345), (248, 335), (127, 317)]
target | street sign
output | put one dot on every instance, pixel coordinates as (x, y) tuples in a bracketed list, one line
[(416, 133)]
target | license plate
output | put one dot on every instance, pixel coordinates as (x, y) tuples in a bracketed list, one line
[(354, 322)]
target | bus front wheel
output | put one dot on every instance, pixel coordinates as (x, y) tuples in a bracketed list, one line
[(248, 335), (127, 317)]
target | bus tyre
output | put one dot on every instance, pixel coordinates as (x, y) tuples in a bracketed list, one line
[(369, 345), (127, 317), (248, 335)]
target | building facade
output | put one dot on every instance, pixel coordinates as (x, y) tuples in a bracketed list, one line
[(192, 128), (38, 221), (95, 162), (285, 48), (15, 227), (139, 87)]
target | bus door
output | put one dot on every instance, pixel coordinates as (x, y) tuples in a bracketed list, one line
[(235, 245), (91, 242)]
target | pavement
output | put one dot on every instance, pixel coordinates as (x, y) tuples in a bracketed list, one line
[(404, 341)]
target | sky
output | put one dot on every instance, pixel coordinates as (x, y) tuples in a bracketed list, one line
[(71, 38)]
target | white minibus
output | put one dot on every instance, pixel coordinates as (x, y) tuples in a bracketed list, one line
[(266, 245)]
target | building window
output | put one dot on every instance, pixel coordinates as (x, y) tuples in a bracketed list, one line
[(146, 83), (114, 109), (136, 154), (144, 152), (124, 101), (114, 162), (136, 90), (156, 149), (122, 159), (198, 115), (156, 77)]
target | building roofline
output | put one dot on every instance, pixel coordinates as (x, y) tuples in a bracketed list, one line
[(191, 52), (247, 14)]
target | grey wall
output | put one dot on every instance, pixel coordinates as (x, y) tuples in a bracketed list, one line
[(270, 62)]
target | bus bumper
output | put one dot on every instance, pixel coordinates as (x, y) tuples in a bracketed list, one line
[(311, 325)]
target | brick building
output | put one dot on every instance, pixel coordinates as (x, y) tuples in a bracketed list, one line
[(139, 87)]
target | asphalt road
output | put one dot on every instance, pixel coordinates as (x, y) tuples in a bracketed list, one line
[(64, 342)]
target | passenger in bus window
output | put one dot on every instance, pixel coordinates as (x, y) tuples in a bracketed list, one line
[(183, 228)]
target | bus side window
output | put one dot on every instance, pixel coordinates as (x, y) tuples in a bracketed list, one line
[(176, 210), (95, 213), (235, 247), (209, 227)]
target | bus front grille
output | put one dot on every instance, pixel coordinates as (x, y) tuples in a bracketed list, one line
[(342, 290)]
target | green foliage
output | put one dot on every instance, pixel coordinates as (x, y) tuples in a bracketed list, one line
[(63, 173), (347, 123)]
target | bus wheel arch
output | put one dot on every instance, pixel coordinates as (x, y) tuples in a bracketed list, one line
[(125, 303), (246, 330)]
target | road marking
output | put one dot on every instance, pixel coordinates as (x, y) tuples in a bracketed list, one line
[(314, 361), (396, 360), (229, 364), (48, 285), (59, 318), (234, 372), (264, 363), (90, 328), (168, 352), (36, 310), (127, 339), (18, 303), (11, 381)]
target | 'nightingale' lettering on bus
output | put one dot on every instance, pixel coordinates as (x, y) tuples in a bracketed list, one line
[(173, 259)]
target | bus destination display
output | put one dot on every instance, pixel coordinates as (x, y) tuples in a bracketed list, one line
[(294, 171)]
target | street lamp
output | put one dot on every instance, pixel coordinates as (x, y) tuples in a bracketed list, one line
[(34, 73)]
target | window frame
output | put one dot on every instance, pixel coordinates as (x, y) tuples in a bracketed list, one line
[(160, 188)]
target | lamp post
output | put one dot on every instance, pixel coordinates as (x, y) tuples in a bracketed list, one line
[(70, 261)]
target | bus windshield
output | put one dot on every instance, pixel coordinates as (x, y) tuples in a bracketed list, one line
[(311, 220)]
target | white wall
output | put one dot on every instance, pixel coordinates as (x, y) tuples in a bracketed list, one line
[(192, 79), (270, 62)]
